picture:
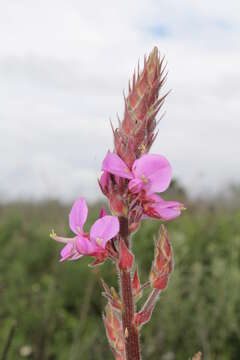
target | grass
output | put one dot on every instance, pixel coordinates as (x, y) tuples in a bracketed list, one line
[(57, 306)]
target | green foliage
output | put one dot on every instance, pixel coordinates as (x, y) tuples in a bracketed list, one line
[(58, 306)]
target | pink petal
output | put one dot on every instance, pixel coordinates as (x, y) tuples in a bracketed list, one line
[(153, 169), (76, 256), (78, 216), (168, 210), (165, 210), (135, 185), (103, 230), (104, 180), (85, 246), (67, 252), (115, 165)]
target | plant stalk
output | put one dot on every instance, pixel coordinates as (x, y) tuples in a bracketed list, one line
[(130, 331)]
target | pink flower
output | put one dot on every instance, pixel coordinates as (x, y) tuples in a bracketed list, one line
[(151, 172), (154, 206), (92, 244)]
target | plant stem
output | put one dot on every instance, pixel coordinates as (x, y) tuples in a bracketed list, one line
[(130, 331)]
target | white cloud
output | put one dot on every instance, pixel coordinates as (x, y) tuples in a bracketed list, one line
[(63, 66)]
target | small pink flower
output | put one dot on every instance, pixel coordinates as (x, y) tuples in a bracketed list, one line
[(151, 172), (92, 244), (154, 206)]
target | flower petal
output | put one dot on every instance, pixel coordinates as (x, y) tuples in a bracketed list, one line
[(154, 169), (85, 246), (103, 182), (161, 209), (69, 252), (115, 165), (78, 216), (76, 256), (168, 210), (66, 252), (103, 230)]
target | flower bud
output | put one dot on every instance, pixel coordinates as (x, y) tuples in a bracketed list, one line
[(163, 261), (114, 332)]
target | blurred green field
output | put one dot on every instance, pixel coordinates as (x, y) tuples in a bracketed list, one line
[(57, 306)]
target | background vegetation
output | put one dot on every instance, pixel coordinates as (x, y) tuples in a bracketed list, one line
[(57, 307)]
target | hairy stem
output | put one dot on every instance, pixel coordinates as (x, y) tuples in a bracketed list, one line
[(132, 348)]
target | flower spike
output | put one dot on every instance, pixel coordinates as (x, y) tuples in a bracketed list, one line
[(131, 180)]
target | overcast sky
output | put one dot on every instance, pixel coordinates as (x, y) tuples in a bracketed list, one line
[(64, 66)]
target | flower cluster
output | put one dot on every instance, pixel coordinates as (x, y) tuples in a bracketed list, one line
[(150, 174)]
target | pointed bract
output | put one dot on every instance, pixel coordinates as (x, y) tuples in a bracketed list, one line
[(144, 316), (126, 257), (102, 213), (136, 285), (163, 261)]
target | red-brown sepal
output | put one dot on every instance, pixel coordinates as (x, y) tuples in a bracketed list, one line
[(142, 317), (109, 253), (99, 259), (115, 189), (145, 314), (112, 296), (134, 216), (126, 257), (136, 285)]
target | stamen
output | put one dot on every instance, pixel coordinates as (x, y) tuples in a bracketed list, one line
[(99, 241), (144, 179), (52, 234)]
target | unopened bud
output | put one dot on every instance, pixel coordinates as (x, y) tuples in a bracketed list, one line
[(163, 261)]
